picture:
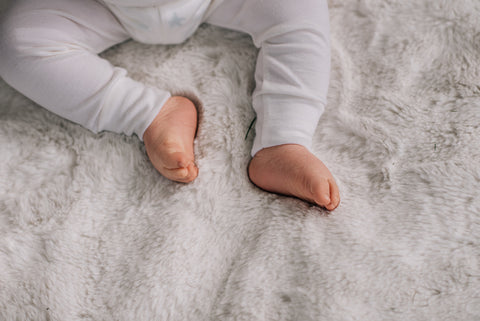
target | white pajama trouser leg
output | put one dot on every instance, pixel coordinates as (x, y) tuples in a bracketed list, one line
[(50, 55), (48, 52), (293, 66)]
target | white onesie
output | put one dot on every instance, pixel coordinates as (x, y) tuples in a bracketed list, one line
[(49, 52), (160, 22)]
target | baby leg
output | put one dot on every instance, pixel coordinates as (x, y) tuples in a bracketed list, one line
[(292, 75), (49, 52)]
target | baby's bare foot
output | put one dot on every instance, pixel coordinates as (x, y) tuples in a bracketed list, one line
[(292, 170), (169, 140)]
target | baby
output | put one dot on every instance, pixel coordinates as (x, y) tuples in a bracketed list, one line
[(49, 52)]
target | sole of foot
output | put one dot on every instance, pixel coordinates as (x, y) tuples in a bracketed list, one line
[(169, 140), (294, 171)]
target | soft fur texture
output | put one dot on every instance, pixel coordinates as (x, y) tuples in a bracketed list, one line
[(90, 231)]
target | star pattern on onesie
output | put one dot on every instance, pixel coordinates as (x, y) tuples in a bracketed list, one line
[(176, 21)]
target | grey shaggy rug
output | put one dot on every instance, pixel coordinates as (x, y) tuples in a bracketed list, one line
[(90, 231)]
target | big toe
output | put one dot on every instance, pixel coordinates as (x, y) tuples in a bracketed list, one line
[(318, 191), (175, 160), (325, 193), (183, 175)]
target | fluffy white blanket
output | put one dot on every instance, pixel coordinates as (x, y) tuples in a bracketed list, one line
[(90, 231)]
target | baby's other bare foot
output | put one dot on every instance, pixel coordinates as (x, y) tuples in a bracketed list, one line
[(169, 140), (292, 170)]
